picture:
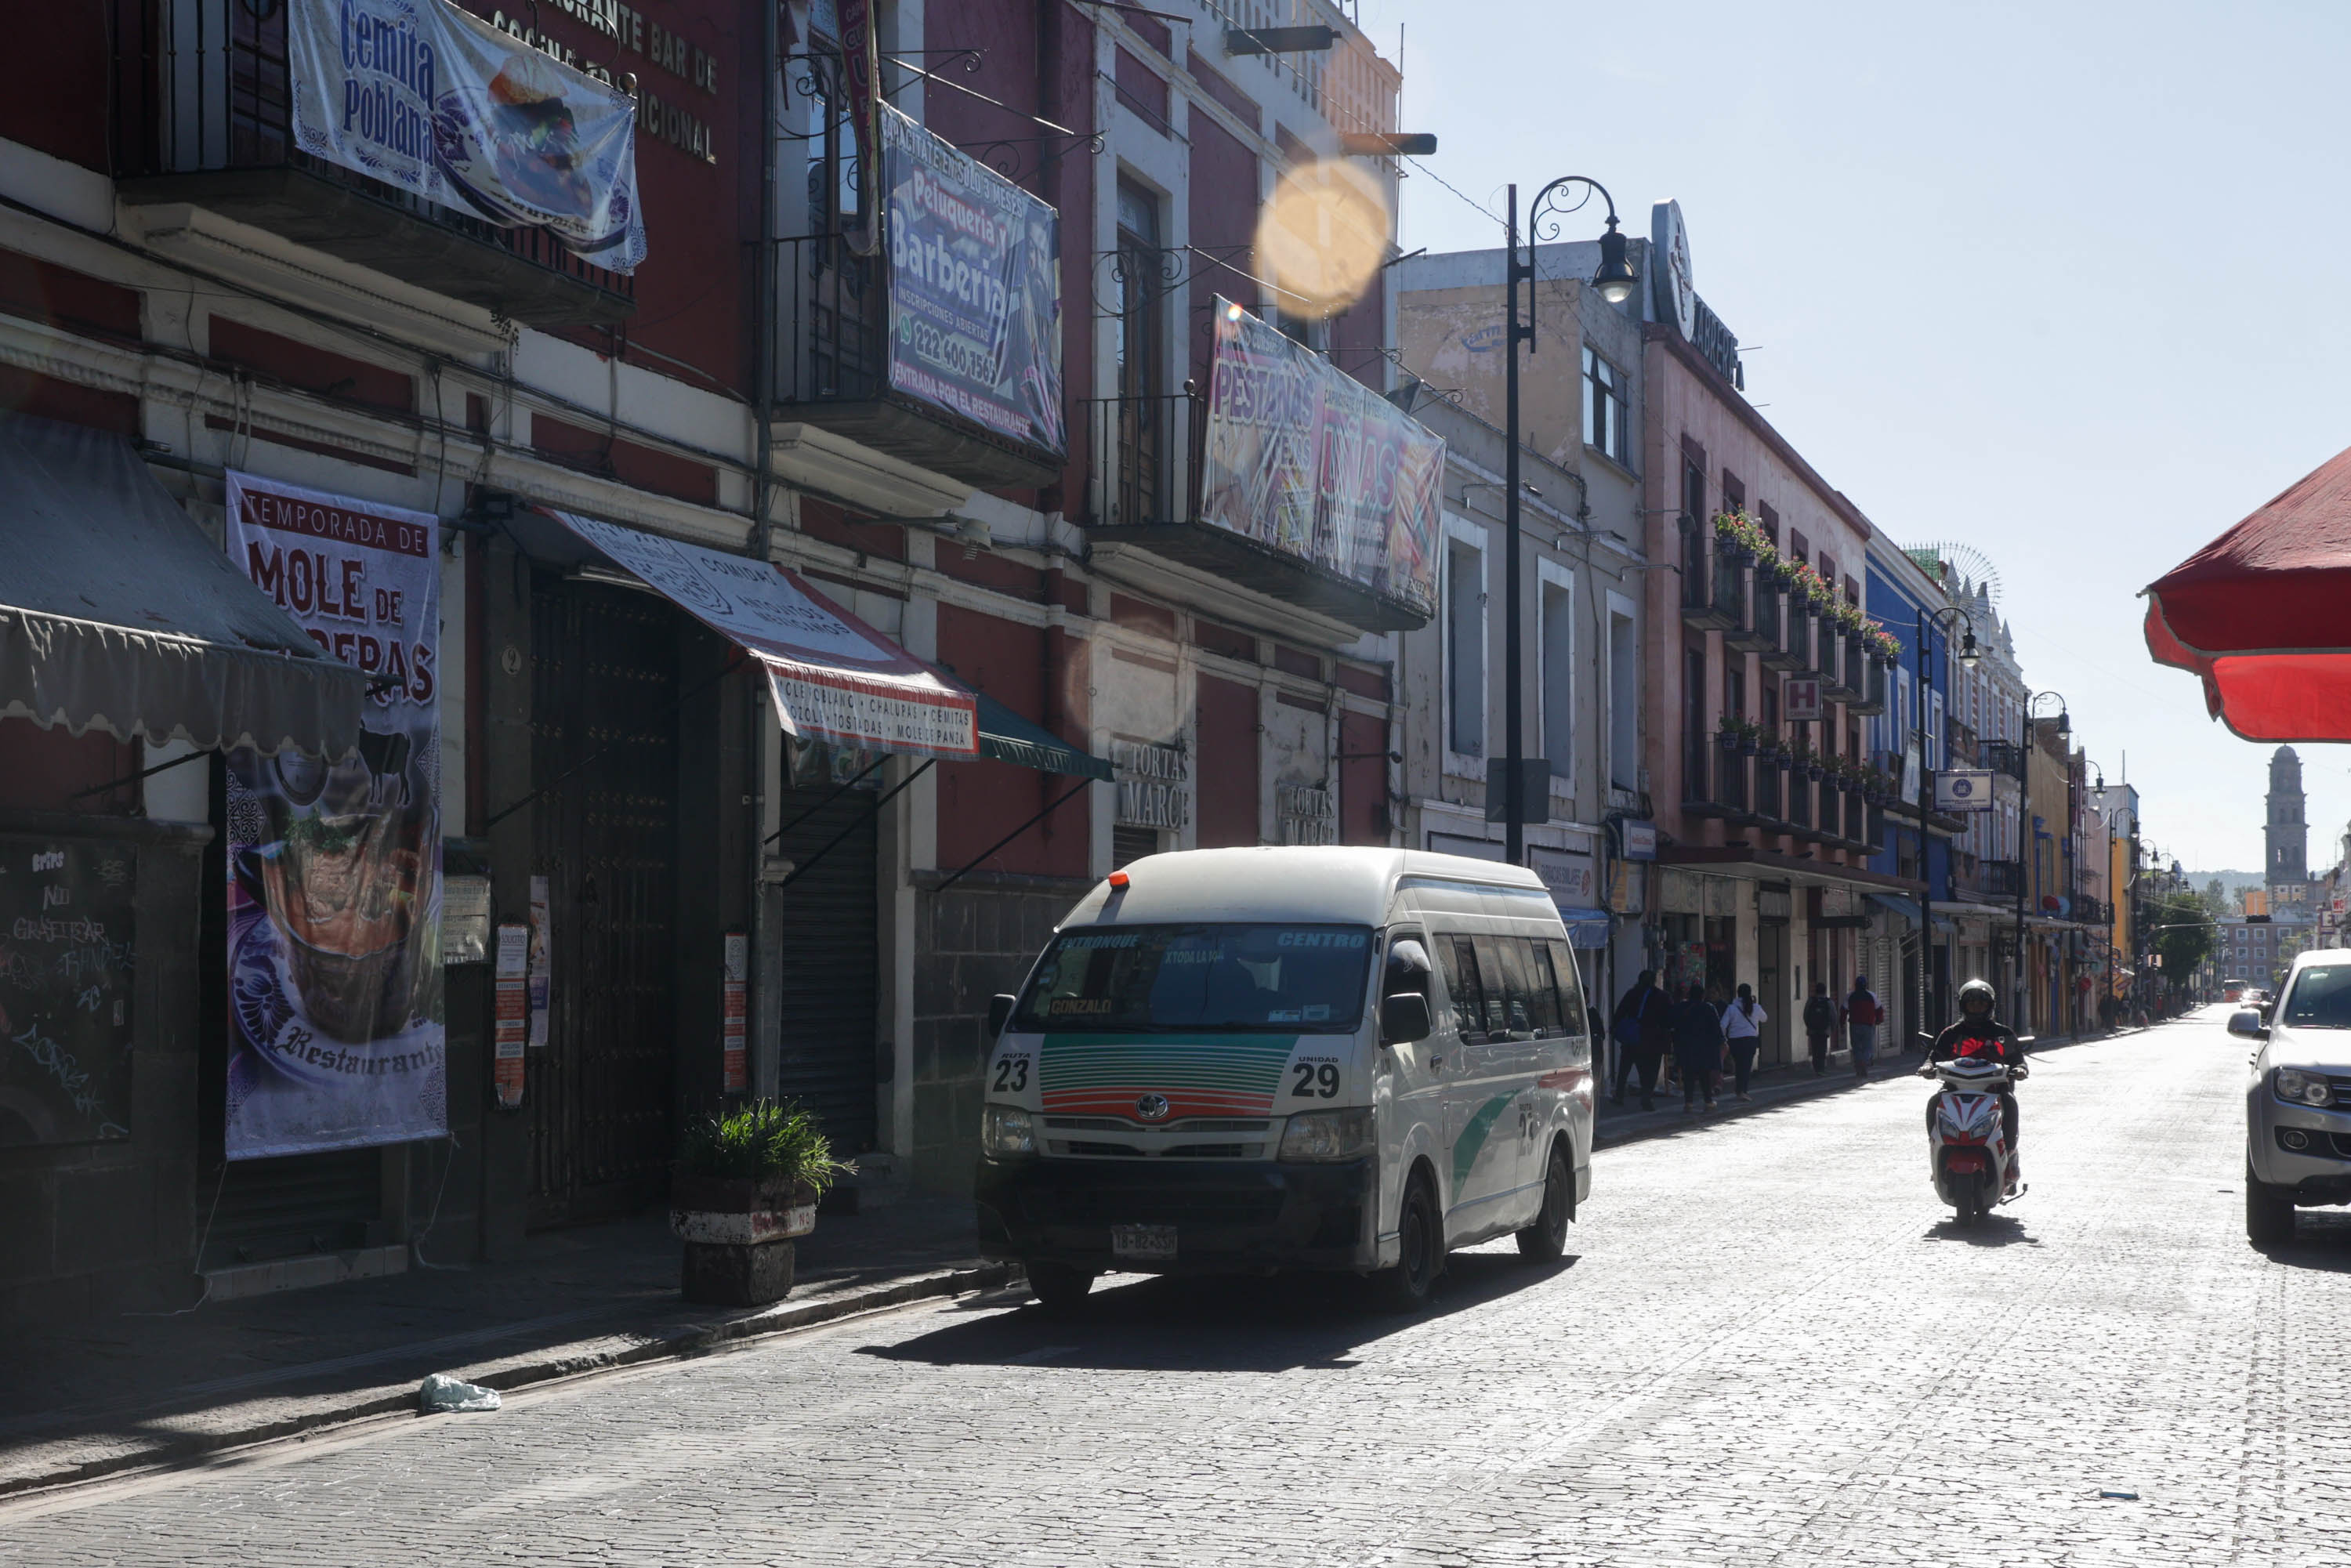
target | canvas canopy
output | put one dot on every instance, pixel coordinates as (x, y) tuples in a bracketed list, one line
[(117, 613)]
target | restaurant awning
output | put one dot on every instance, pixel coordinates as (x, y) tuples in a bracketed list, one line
[(2257, 614), (117, 613), (1006, 737), (832, 677)]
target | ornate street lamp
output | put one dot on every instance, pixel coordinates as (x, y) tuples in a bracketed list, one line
[(1615, 282)]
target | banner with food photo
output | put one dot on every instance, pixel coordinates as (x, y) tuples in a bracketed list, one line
[(420, 95), (1311, 463), (334, 890), (974, 289)]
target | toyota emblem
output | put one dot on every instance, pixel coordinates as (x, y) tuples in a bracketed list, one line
[(1151, 1107)]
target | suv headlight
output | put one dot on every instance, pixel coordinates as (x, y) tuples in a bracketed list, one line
[(1006, 1132), (2302, 1088), (1328, 1134)]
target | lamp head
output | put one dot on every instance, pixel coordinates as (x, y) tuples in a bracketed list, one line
[(2065, 722), (1615, 279), (1967, 655)]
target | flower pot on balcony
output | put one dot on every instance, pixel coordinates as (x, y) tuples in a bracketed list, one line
[(1747, 748), (1814, 773), (1729, 738)]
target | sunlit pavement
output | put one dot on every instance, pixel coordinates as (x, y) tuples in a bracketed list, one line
[(1767, 1346)]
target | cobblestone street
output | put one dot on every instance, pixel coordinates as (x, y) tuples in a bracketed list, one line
[(1767, 1346)]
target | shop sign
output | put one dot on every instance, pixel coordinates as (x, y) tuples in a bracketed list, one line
[(735, 990), (1569, 876), (1639, 840), (1314, 464), (334, 890), (1676, 291), (1153, 785), (1626, 887), (464, 920), (444, 106), (1306, 814), (68, 960), (1679, 891), (974, 289), (508, 1025), (1800, 701), (1963, 790)]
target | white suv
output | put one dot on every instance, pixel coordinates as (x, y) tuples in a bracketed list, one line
[(2298, 1106)]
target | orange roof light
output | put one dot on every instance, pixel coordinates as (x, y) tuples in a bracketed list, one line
[(1118, 878)]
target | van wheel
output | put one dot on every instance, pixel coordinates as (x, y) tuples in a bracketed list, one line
[(2269, 1212), (1420, 1237), (1059, 1287), (1546, 1239)]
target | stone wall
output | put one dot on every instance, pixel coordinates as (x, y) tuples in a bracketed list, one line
[(972, 941)]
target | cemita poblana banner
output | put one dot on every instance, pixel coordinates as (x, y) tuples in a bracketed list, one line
[(1315, 464), (420, 95), (334, 863)]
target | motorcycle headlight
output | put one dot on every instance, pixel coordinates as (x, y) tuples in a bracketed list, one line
[(2302, 1088), (1328, 1134), (1006, 1132)]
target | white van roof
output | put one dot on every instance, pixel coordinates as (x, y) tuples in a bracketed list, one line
[(1333, 883)]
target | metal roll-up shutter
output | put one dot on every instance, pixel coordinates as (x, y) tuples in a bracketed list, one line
[(828, 965), (296, 1204)]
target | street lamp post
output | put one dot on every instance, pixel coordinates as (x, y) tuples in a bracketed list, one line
[(1969, 656), (1615, 280), (2025, 817)]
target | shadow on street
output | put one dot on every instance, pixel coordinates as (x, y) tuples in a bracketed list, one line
[(1209, 1323)]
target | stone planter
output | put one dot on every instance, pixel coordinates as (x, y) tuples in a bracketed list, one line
[(738, 1237)]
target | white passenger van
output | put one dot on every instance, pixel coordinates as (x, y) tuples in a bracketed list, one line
[(1288, 1058)]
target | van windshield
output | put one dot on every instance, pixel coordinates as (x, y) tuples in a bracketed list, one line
[(2321, 997), (1306, 980)]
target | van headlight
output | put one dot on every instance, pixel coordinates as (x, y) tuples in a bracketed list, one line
[(2302, 1088), (1006, 1132), (1328, 1134)]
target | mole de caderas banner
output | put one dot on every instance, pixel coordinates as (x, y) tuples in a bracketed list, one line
[(334, 885), (420, 95)]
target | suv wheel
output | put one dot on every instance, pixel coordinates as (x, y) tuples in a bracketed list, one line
[(2269, 1212)]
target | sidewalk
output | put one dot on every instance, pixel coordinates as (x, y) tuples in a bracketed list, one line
[(132, 1392)]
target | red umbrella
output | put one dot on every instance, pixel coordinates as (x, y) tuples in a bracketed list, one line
[(2264, 614)]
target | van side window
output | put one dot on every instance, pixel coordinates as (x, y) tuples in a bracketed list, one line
[(1506, 987), (1460, 962), (1542, 993), (1571, 988)]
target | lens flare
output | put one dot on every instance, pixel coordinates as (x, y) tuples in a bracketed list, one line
[(1322, 237)]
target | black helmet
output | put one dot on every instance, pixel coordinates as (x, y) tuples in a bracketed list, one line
[(1973, 990)]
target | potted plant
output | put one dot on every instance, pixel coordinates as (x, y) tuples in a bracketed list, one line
[(746, 1183)]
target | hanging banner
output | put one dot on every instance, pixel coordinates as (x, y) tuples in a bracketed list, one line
[(833, 677), (1963, 790), (334, 891), (1315, 464), (734, 1059), (974, 289), (424, 97), (508, 1027)]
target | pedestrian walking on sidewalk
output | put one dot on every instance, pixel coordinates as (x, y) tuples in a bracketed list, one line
[(1742, 1034), (1697, 1047), (1819, 1023), (1863, 1013), (1642, 1029)]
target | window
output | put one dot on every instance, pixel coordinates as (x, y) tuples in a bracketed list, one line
[(1556, 628), (1459, 959), (1138, 331), (1624, 695), (1465, 649), (1604, 409), (1734, 494)]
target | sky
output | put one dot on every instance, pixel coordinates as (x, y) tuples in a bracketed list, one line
[(2064, 282)]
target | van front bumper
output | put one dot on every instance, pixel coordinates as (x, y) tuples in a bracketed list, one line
[(1229, 1215)]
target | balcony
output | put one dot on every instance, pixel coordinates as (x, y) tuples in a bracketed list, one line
[(1145, 459), (1713, 589), (833, 372), (2004, 756), (204, 118), (1871, 689), (1756, 627), (1789, 651), (2001, 878), (1771, 790), (1802, 797), (1842, 664), (1718, 788)]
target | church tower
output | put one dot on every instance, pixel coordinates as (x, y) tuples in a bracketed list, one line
[(2287, 838)]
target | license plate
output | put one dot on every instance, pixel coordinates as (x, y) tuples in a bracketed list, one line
[(1143, 1243)]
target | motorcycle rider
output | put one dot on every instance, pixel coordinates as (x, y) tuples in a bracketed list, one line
[(1979, 1036)]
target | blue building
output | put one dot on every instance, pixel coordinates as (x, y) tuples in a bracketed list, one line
[(1910, 740)]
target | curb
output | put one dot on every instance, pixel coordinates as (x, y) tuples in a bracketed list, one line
[(557, 1363)]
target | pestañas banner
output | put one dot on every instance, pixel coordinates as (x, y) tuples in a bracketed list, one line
[(334, 888)]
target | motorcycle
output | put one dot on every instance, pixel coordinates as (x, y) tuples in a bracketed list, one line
[(1967, 1153)]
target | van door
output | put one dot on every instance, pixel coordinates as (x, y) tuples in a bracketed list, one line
[(1415, 1078), (1480, 1137)]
